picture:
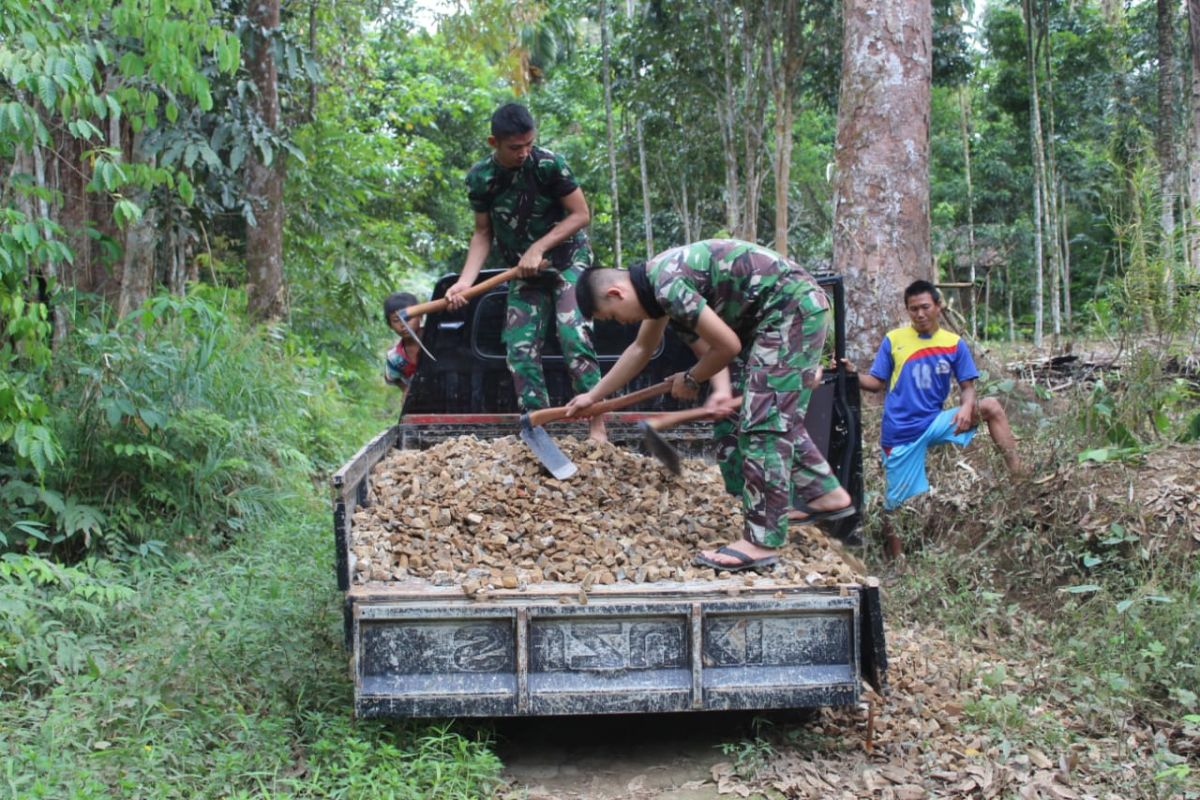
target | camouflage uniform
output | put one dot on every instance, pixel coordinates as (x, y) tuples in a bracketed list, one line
[(781, 317), (524, 204)]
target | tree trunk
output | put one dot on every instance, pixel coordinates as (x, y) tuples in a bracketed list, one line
[(612, 146), (783, 72), (1008, 290), (1193, 240), (881, 239), (1050, 180), (1165, 142), (264, 176), (1039, 170), (726, 115), (965, 129), (755, 41), (647, 216), (1066, 252), (784, 116), (987, 302)]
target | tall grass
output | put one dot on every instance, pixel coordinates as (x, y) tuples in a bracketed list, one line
[(224, 676)]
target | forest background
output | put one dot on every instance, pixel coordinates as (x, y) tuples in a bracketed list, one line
[(203, 205)]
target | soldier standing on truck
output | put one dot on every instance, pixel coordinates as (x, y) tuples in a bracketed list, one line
[(526, 200), (731, 298)]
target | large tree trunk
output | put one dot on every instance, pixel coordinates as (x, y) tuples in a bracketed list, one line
[(1165, 141), (1193, 241), (140, 235), (612, 146), (1050, 179), (264, 178), (881, 207)]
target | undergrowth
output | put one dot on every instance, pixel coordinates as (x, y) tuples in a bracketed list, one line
[(170, 625), (224, 676), (1113, 613)]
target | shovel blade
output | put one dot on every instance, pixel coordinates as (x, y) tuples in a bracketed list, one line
[(660, 448), (547, 452)]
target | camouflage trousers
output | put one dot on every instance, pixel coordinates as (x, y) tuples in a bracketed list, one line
[(530, 305), (765, 454)]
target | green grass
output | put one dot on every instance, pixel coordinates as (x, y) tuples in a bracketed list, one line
[(227, 678)]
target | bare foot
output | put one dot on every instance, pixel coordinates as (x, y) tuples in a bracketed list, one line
[(824, 507), (1013, 462), (749, 549), (596, 429)]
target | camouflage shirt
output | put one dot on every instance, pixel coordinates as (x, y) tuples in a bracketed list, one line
[(525, 203), (738, 280)]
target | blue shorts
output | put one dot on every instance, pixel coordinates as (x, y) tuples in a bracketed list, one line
[(904, 467)]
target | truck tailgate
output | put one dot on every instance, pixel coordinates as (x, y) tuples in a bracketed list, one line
[(421, 650)]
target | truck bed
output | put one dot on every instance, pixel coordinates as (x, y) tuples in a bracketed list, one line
[(420, 649)]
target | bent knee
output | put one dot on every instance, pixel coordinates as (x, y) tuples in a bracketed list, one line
[(990, 409)]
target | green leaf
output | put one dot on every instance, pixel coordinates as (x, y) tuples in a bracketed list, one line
[(47, 92), (1082, 588), (126, 211), (187, 192), (1099, 455), (1124, 606), (84, 67)]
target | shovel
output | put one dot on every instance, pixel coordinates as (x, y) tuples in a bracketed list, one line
[(554, 459), (421, 309), (659, 447)]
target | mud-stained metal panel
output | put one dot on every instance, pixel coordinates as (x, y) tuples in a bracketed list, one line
[(749, 699), (778, 640), (436, 647), (617, 698), (607, 645), (412, 706)]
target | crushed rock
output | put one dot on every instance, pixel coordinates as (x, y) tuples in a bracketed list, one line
[(484, 515)]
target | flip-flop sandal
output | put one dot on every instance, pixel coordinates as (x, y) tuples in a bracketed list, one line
[(812, 515), (745, 561)]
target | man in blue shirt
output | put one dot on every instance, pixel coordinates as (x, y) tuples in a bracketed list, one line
[(914, 366)]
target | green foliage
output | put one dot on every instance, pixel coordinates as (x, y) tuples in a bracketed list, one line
[(218, 677), (185, 429), (51, 619), (383, 207)]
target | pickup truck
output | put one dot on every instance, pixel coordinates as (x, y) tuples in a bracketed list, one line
[(418, 649)]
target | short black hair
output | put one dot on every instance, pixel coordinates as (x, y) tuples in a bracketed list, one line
[(585, 295), (922, 287), (511, 119), (396, 302)]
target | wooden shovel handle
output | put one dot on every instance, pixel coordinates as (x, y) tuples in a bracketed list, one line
[(421, 309), (545, 415), (669, 420)]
